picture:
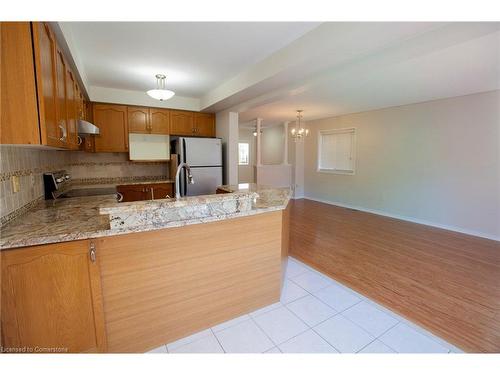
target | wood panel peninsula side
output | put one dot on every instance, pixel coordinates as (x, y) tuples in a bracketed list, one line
[(129, 277)]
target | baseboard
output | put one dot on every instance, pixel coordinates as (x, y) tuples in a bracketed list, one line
[(406, 218)]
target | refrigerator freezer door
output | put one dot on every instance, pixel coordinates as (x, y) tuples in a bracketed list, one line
[(206, 181), (202, 152)]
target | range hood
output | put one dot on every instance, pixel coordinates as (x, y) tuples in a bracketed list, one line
[(85, 127)]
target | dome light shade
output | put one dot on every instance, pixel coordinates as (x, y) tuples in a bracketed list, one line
[(160, 93)]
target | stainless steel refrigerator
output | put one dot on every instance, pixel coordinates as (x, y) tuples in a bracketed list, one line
[(204, 156)]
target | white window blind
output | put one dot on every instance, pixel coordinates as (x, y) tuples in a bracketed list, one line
[(336, 151), (243, 153)]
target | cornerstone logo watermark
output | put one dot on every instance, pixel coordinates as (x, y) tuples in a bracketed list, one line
[(32, 349)]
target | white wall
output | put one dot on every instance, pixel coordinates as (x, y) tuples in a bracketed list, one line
[(435, 162), (227, 129), (246, 173), (272, 140)]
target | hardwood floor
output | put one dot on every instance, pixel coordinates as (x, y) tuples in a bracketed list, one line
[(447, 282)]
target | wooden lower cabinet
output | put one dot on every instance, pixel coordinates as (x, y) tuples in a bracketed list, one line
[(52, 298), (160, 286), (143, 192), (162, 191), (157, 286)]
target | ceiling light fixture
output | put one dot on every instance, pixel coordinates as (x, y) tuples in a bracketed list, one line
[(298, 132), (160, 93)]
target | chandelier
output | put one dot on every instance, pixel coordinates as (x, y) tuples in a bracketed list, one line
[(160, 93), (299, 132)]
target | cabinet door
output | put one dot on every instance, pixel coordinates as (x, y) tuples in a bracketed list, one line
[(44, 45), (204, 124), (112, 122), (181, 123), (71, 111), (79, 102), (138, 120), (132, 193), (19, 112), (61, 103), (161, 191), (51, 298), (160, 121)]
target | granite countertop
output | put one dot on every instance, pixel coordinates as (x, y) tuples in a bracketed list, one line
[(81, 218)]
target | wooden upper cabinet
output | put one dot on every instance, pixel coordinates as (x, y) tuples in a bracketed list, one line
[(192, 123), (19, 115), (40, 95), (138, 120), (204, 124), (52, 298), (61, 103), (159, 121), (45, 62), (181, 123), (79, 103), (112, 122), (71, 111)]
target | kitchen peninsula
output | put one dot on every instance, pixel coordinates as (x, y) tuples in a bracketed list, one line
[(140, 274)]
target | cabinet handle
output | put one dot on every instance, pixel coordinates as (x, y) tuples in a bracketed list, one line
[(119, 196), (152, 193), (92, 252), (63, 130), (79, 140)]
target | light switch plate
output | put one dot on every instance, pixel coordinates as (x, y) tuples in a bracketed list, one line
[(15, 184)]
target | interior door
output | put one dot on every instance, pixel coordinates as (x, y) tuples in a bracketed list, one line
[(206, 180), (203, 152)]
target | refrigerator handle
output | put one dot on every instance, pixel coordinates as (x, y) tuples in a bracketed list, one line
[(184, 174)]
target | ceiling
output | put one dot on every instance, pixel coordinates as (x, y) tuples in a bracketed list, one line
[(195, 56), (428, 67), (269, 70)]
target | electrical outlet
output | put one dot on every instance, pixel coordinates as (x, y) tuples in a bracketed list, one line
[(15, 184)]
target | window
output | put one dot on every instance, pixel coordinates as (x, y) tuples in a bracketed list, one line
[(243, 153), (337, 151)]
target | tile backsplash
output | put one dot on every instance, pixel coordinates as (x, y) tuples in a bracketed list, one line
[(30, 163)]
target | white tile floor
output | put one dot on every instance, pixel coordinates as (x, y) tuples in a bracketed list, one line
[(315, 315)]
